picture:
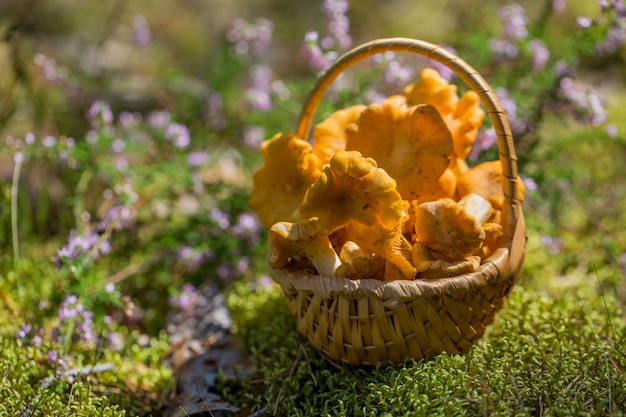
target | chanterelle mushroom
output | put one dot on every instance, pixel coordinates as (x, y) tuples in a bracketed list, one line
[(352, 189), (413, 144), (359, 264), (397, 253), (288, 240), (486, 180), (329, 136), (447, 230), (281, 183), (429, 267), (462, 116)]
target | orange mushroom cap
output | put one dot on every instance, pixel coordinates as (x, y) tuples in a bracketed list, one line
[(359, 264), (486, 180), (352, 189), (462, 116), (412, 144), (329, 136), (279, 186), (447, 230)]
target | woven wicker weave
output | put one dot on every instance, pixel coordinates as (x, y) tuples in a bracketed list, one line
[(363, 322)]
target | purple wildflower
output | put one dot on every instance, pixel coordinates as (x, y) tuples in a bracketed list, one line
[(394, 72), (250, 37), (129, 119), (583, 22), (247, 223), (221, 218), (445, 72), (554, 245), (224, 271), (540, 54), (242, 265), (317, 59), (258, 92), (513, 19), (82, 319), (118, 216), (530, 184), (264, 281), (485, 140), (178, 134), (586, 106), (187, 298), (253, 136), (338, 23), (49, 141), (280, 90), (214, 110), (507, 103), (247, 227), (373, 96), (118, 145), (67, 309), (48, 67), (109, 288), (24, 330), (159, 119), (192, 258), (619, 7), (504, 48), (198, 158), (615, 37), (120, 163), (141, 31), (100, 114), (558, 5), (116, 341), (79, 246), (611, 130)]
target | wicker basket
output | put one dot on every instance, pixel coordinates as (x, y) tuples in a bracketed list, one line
[(363, 322)]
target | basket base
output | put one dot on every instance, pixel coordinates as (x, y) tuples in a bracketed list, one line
[(366, 330)]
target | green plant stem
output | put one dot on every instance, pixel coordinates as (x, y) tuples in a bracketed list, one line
[(14, 190), (81, 187)]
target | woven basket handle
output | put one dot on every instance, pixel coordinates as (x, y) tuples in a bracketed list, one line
[(511, 211)]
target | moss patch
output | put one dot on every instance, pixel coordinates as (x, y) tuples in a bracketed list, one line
[(545, 355)]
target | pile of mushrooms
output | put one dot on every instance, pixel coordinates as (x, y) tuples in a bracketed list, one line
[(384, 191)]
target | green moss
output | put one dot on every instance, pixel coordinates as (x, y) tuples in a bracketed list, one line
[(86, 378), (544, 355)]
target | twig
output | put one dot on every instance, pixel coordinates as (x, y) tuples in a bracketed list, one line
[(14, 191), (104, 367), (128, 271), (294, 365), (358, 383), (263, 411), (308, 364)]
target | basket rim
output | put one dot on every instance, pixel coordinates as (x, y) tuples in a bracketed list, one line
[(495, 270)]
